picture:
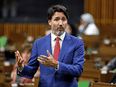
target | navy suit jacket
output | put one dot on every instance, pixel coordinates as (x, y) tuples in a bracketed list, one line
[(71, 62)]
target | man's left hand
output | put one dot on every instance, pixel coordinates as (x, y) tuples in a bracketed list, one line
[(48, 61)]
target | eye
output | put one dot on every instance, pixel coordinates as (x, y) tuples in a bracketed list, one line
[(63, 19), (56, 19)]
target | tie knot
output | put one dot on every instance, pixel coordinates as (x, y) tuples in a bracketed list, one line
[(57, 39)]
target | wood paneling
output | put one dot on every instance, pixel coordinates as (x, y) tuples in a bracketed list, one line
[(1, 29), (108, 31), (103, 11), (86, 4), (91, 7), (31, 29), (111, 11), (13, 27), (114, 16), (6, 29)]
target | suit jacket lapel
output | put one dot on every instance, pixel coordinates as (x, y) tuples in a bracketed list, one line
[(47, 45), (65, 46)]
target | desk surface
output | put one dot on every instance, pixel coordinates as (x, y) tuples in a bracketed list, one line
[(96, 75), (15, 85), (103, 85)]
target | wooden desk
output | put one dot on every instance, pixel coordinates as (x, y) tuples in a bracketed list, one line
[(36, 81), (91, 40), (96, 75), (89, 56), (89, 64), (5, 69), (4, 83), (103, 85), (106, 53), (9, 85), (92, 74), (1, 66)]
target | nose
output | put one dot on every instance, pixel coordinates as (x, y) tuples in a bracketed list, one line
[(60, 22)]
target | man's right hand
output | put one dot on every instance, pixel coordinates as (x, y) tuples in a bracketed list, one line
[(19, 60)]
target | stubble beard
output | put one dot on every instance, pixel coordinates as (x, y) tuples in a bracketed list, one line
[(58, 32)]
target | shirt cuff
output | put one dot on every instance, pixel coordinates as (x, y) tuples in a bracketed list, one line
[(57, 67), (19, 70)]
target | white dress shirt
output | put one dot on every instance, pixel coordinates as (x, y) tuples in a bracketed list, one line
[(53, 41)]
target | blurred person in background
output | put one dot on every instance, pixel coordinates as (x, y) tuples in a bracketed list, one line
[(87, 25), (111, 65), (25, 52), (71, 29), (68, 29), (29, 40), (47, 31)]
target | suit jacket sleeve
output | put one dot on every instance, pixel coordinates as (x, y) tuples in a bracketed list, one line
[(32, 66), (76, 68), (112, 64)]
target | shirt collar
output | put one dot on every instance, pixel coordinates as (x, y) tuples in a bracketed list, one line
[(54, 36)]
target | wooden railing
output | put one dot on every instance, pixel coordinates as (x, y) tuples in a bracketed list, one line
[(32, 29)]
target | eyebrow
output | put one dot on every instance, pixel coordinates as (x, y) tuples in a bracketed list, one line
[(62, 17)]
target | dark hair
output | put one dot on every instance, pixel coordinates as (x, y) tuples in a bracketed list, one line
[(26, 47), (74, 30), (56, 8)]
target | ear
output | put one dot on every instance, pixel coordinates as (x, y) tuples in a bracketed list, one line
[(49, 22)]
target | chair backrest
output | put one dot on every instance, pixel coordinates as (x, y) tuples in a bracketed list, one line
[(105, 50), (89, 64), (3, 41), (108, 31), (2, 77), (84, 84), (91, 40)]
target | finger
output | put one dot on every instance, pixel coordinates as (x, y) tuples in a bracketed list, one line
[(21, 61), (43, 59), (49, 54), (16, 56), (18, 53)]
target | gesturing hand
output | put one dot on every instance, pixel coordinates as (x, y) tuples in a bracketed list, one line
[(48, 61), (19, 60)]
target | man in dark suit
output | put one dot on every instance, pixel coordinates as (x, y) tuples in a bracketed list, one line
[(59, 55)]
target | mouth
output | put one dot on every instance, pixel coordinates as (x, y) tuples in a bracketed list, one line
[(60, 28)]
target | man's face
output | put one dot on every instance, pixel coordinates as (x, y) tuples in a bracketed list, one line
[(58, 23)]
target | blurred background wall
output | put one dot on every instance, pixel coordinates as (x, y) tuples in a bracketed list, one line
[(23, 21), (35, 11)]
